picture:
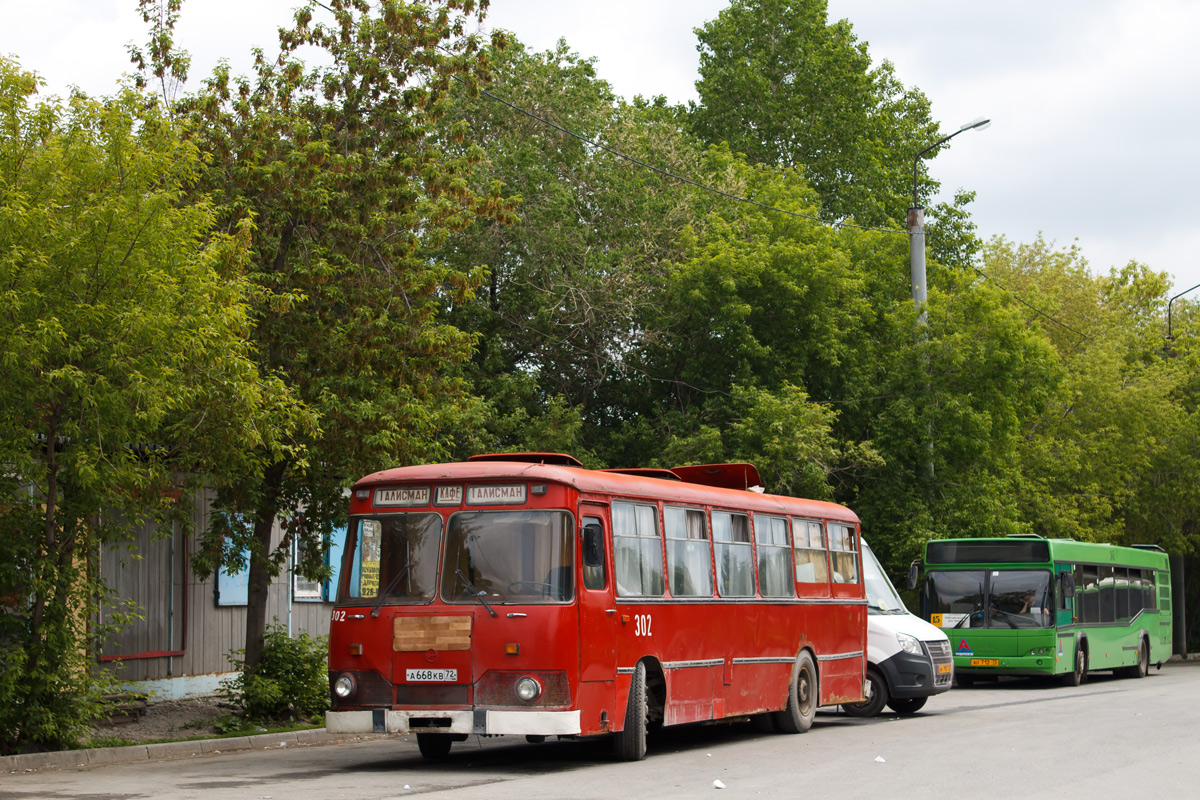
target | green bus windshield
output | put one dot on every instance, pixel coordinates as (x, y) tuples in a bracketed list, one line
[(1005, 599)]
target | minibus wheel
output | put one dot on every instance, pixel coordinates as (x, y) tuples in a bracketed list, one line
[(873, 704), (906, 705)]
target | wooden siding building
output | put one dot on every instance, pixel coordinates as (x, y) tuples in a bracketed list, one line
[(188, 628)]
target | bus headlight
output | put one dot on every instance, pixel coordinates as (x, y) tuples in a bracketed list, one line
[(344, 687), (909, 644), (528, 689)]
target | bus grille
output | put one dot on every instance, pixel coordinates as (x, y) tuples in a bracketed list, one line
[(421, 696), (940, 653)]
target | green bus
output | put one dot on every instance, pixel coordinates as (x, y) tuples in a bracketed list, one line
[(1025, 605)]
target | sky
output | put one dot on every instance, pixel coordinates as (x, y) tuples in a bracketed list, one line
[(1095, 104)]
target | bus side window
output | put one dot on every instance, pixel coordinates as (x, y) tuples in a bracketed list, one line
[(843, 547), (593, 554), (637, 550)]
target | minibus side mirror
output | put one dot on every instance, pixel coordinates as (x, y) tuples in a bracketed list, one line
[(914, 570)]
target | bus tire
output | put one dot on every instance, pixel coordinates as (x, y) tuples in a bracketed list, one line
[(1142, 667), (1078, 675), (906, 705), (873, 704), (434, 745), (630, 743), (803, 696)]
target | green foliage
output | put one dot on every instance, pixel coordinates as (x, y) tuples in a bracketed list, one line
[(781, 84), (332, 163), (123, 342), (571, 272), (1113, 457), (290, 680)]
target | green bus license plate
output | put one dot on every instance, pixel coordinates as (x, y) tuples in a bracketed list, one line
[(985, 662)]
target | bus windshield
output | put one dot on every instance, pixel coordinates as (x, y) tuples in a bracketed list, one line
[(395, 557), (882, 597), (990, 598), (522, 556)]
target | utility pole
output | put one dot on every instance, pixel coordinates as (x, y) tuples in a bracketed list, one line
[(916, 222)]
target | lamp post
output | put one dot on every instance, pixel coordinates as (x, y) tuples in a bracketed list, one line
[(916, 221), (1172, 300)]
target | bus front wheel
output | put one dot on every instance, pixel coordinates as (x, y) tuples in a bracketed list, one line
[(1078, 675), (630, 743), (803, 696), (434, 745)]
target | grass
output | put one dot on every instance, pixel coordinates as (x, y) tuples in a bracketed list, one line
[(250, 729)]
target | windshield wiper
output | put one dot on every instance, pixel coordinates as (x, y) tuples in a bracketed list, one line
[(480, 596), (392, 585), (967, 618), (882, 610)]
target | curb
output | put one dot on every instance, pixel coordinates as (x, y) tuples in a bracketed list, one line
[(133, 754)]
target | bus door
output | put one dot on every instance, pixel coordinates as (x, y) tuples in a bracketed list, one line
[(1064, 591), (598, 618)]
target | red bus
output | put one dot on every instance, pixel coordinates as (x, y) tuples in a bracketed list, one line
[(524, 594)]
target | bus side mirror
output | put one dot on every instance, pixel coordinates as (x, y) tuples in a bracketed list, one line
[(1067, 582), (593, 545), (914, 571)]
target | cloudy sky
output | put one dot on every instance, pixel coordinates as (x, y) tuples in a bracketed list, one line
[(1095, 103)]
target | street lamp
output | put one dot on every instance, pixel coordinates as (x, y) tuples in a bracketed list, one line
[(1172, 300), (916, 220)]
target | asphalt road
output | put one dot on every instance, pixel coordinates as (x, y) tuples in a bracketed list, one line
[(1027, 739)]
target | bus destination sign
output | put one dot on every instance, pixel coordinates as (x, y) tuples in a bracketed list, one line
[(500, 494), (402, 496), (448, 496)]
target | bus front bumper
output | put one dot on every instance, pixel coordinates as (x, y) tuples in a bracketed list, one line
[(1007, 665), (479, 720)]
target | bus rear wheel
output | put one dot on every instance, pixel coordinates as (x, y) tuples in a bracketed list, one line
[(803, 696), (873, 704), (1142, 667), (630, 743), (434, 745)]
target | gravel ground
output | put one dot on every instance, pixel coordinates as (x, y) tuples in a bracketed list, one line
[(171, 719)]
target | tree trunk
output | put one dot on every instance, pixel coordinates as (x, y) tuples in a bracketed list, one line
[(258, 591)]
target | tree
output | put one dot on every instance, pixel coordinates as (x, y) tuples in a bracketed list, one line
[(1113, 457), (782, 85), (571, 271), (128, 374), (334, 166)]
